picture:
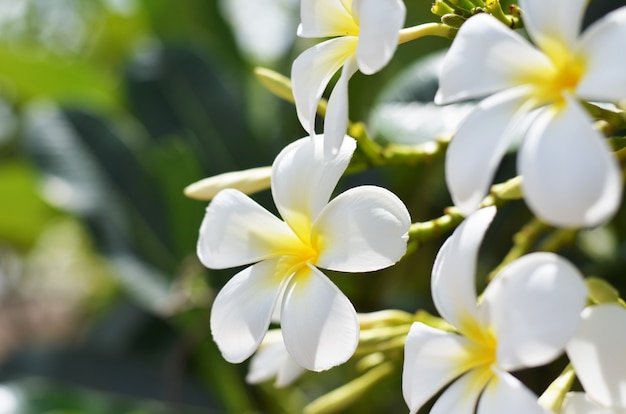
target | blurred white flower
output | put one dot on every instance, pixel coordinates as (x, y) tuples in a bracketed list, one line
[(597, 352), (272, 360), (570, 177), (363, 229), (365, 36), (524, 319)]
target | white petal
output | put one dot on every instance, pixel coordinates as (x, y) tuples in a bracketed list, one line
[(570, 178), (272, 360), (462, 395), (605, 77), (506, 394), (363, 229), (311, 72), (486, 57), (432, 358), (533, 306), (476, 150), (454, 270), (336, 121), (380, 22), (554, 21), (242, 309), (237, 231), (597, 354), (266, 361), (579, 403), (303, 179), (327, 18), (319, 324), (247, 181)]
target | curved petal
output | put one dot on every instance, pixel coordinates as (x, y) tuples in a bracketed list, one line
[(462, 395), (570, 178), (432, 358), (273, 360), (236, 231), (319, 324), (380, 22), (476, 150), (242, 310), (506, 394), (554, 21), (579, 403), (605, 77), (265, 363), (596, 352), (454, 270), (303, 180), (327, 18), (336, 121), (311, 72), (533, 306), (486, 57), (361, 230), (247, 181)]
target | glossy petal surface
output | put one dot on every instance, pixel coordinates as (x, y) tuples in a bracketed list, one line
[(303, 180), (506, 394), (570, 178), (319, 323), (554, 21), (327, 18), (454, 270), (597, 351), (432, 359), (521, 304), (476, 150), (363, 229), (336, 121), (237, 231), (605, 77), (486, 57), (242, 310), (380, 22), (311, 72), (579, 403)]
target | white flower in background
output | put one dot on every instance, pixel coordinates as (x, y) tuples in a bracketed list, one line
[(570, 177), (365, 36), (363, 229), (524, 319), (598, 355), (272, 360)]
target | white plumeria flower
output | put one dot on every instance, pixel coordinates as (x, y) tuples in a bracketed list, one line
[(570, 177), (598, 354), (365, 36), (272, 360), (524, 319), (363, 229)]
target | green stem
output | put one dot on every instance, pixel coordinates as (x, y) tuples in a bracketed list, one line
[(523, 241), (342, 397), (494, 8), (426, 29)]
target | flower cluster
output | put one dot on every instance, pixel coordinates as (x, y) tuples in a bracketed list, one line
[(543, 92)]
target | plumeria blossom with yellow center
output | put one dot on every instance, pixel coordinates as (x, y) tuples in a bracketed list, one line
[(525, 317), (569, 176), (598, 354), (364, 37), (363, 229)]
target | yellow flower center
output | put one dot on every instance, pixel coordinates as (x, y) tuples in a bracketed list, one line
[(482, 353), (563, 76)]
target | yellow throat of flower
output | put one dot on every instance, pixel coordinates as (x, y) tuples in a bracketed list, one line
[(564, 75)]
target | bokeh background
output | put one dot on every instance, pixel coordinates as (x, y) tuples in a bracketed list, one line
[(108, 109)]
